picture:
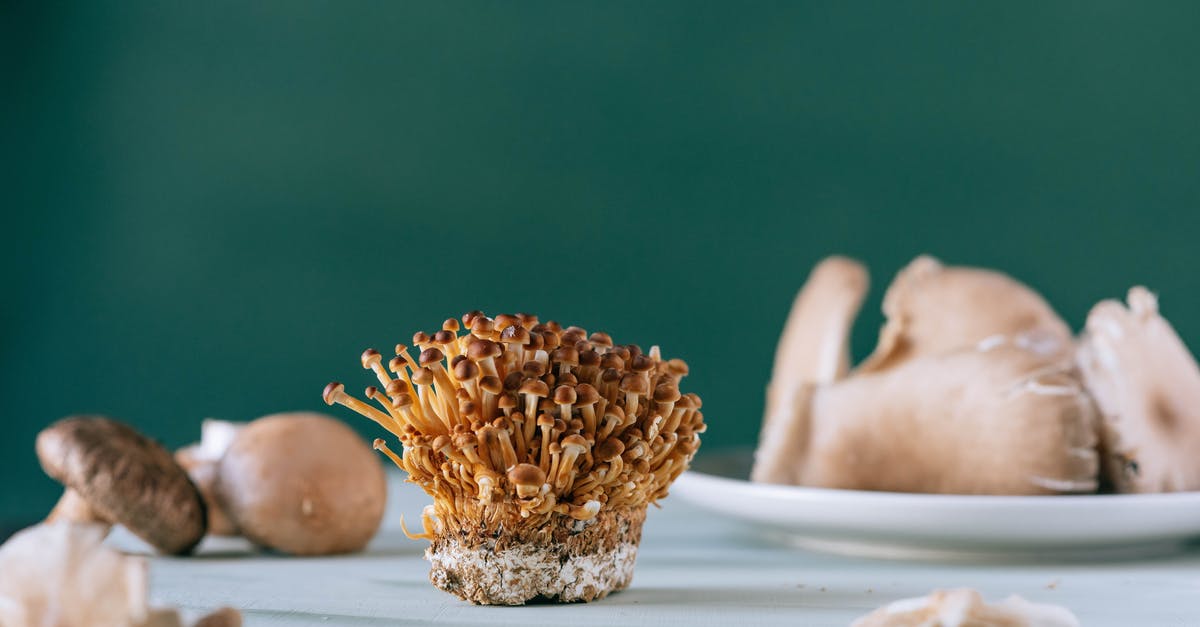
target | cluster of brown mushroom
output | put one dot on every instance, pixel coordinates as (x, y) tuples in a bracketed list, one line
[(527, 433), (978, 387)]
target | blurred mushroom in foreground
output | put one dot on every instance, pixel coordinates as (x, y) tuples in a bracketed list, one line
[(964, 607), (541, 447), (115, 475), (301, 483), (61, 574)]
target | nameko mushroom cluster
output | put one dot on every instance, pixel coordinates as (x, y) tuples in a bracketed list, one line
[(541, 446)]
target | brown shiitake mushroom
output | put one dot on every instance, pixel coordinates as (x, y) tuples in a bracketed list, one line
[(201, 460), (302, 483), (115, 475), (1147, 386)]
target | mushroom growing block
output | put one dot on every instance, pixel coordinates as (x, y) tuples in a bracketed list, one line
[(541, 453)]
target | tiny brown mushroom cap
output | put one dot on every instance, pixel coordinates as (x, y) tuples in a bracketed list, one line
[(431, 356), (535, 387), (371, 356), (527, 479), (586, 394), (332, 391), (634, 384), (608, 449), (465, 370), (576, 442), (125, 478), (482, 349), (302, 483), (666, 394), (564, 395), (422, 376), (491, 384)]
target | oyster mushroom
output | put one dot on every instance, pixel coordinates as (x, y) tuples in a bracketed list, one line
[(1147, 386), (62, 574), (996, 420), (813, 350), (200, 461), (115, 475), (932, 308), (954, 400), (966, 608), (302, 483)]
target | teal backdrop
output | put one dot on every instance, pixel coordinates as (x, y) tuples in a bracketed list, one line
[(211, 208)]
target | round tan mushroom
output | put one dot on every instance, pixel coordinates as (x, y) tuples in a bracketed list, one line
[(115, 475), (302, 483), (1147, 386), (200, 461), (932, 309)]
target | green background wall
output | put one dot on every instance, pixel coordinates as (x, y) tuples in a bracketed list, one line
[(210, 209)]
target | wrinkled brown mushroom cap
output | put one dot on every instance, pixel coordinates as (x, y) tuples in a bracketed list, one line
[(126, 478)]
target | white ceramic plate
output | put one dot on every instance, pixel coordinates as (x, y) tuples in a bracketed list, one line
[(934, 526)]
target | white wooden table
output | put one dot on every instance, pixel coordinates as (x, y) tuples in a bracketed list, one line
[(693, 569)]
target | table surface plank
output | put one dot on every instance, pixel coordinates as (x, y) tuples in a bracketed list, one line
[(693, 569)]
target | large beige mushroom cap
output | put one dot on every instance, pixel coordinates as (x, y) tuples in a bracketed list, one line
[(932, 308), (992, 420), (302, 483), (966, 608), (1147, 385)]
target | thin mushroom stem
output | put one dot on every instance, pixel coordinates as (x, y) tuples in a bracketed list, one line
[(74, 508)]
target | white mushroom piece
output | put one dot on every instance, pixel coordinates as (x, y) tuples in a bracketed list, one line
[(201, 460), (61, 574), (1147, 386), (115, 475), (302, 483), (964, 607), (989, 406)]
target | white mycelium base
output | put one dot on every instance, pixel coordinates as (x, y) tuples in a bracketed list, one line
[(564, 562)]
